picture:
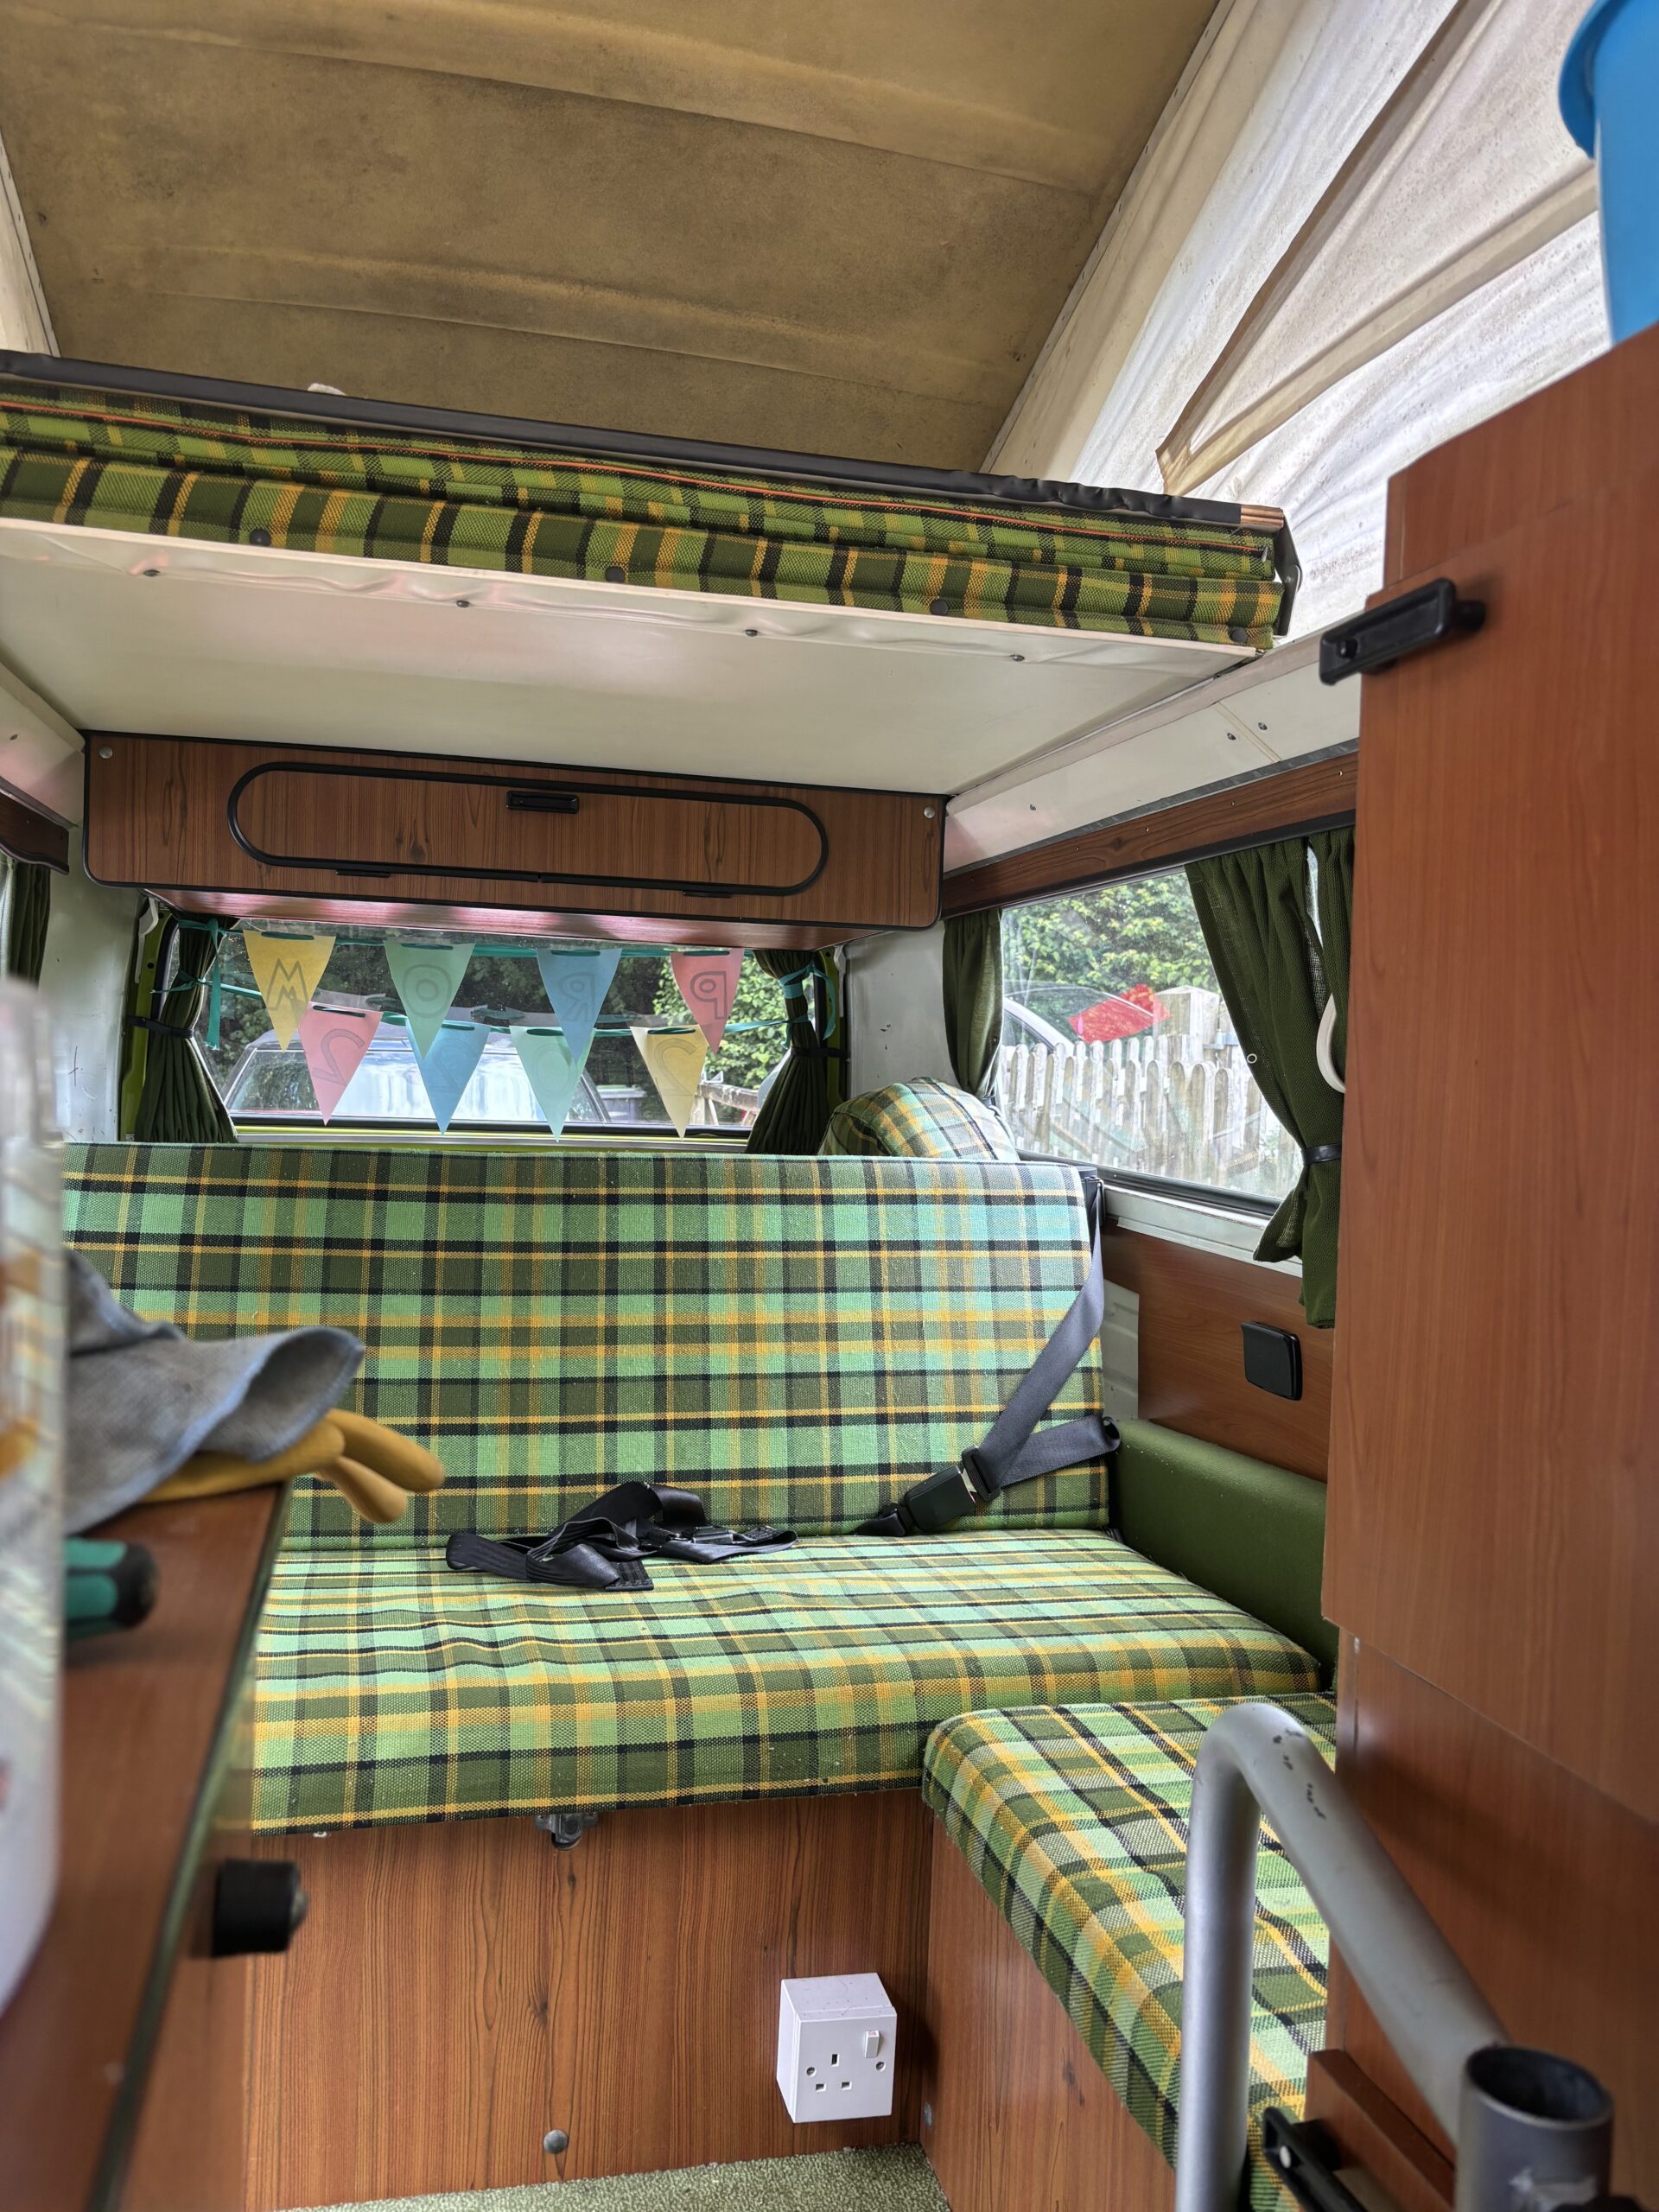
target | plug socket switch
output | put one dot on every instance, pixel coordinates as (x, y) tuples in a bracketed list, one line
[(836, 2036)]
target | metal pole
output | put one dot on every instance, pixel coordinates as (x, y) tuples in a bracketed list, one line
[(1256, 1757)]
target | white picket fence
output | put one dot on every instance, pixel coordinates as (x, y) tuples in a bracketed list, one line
[(1175, 1104)]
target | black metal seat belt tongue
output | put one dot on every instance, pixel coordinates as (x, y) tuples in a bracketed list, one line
[(1014, 1451)]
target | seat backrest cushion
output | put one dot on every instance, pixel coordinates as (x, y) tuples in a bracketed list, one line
[(1252, 1533), (797, 1340), (921, 1119)]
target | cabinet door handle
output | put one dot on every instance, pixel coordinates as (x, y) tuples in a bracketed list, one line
[(542, 802), (258, 1905)]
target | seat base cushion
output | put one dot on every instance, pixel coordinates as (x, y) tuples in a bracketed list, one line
[(1075, 1822), (389, 1688)]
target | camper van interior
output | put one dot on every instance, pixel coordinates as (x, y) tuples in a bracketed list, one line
[(828, 1052)]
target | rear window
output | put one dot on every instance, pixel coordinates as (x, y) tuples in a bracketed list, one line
[(263, 1085), (1117, 1048)]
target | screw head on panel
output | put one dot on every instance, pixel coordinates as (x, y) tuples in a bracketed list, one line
[(555, 2142)]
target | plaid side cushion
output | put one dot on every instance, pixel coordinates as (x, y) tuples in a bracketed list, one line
[(165, 467), (921, 1119), (797, 1339), (388, 1688), (1076, 1822)]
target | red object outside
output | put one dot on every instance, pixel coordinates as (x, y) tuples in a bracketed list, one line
[(1124, 1014)]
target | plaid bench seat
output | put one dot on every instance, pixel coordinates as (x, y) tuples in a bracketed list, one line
[(1075, 1822), (389, 1688), (797, 1339)]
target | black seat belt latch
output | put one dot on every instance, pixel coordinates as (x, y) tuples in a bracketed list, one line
[(942, 1501)]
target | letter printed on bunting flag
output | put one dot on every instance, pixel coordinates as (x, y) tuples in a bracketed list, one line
[(707, 983), (447, 1065), (575, 983), (553, 1069), (333, 1039), (426, 978), (674, 1059), (287, 971)]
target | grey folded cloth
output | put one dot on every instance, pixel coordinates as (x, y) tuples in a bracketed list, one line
[(143, 1398)]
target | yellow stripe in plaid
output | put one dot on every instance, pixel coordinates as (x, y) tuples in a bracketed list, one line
[(390, 1688), (1075, 1821), (797, 1339)]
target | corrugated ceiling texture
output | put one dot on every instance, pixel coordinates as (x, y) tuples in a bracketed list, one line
[(841, 225)]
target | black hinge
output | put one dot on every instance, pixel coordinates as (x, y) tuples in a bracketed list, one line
[(1303, 2158), (1428, 616)]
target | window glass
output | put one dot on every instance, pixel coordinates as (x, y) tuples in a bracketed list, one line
[(259, 1082), (1117, 1047)]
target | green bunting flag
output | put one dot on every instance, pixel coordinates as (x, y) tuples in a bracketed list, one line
[(426, 978), (575, 983), (553, 1069)]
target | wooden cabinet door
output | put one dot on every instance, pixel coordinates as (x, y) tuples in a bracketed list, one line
[(1494, 1512)]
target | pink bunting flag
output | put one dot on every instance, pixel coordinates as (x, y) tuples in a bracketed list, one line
[(334, 1039), (707, 983)]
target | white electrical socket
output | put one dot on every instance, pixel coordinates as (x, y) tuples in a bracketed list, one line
[(836, 2035)]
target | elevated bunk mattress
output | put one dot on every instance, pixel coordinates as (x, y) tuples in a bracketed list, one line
[(246, 465)]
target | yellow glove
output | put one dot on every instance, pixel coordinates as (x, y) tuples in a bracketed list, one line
[(373, 1468)]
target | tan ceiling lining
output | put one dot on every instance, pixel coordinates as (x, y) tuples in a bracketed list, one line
[(687, 327), (807, 101)]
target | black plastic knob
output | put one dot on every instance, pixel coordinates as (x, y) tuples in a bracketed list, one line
[(258, 1905)]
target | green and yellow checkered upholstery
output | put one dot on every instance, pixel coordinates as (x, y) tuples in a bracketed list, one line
[(389, 1688), (922, 1119), (1075, 1821), (797, 1339), (177, 468)]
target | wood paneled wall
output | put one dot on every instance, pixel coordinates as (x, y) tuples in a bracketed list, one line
[(461, 1987), (1023, 2120), (1192, 1359)]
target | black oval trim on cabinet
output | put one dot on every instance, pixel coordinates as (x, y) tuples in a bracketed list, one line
[(351, 864)]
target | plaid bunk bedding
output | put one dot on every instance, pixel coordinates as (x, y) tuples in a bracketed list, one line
[(1075, 1822), (178, 468)]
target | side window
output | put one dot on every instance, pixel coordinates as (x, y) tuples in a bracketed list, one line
[(263, 1085), (1117, 1048)]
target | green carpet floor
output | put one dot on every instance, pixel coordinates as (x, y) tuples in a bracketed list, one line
[(894, 2179)]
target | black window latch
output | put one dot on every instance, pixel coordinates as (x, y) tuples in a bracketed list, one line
[(1428, 616)]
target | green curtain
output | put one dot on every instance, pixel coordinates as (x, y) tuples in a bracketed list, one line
[(1253, 907), (1333, 858), (29, 905), (179, 1104), (973, 996), (796, 1111)]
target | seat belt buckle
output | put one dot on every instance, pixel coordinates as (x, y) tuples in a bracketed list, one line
[(940, 1502)]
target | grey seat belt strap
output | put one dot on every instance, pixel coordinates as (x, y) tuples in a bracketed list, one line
[(1014, 1451)]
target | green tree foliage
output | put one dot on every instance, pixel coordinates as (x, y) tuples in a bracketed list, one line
[(1106, 940)]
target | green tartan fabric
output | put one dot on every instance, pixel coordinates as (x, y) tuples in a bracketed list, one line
[(165, 467), (798, 1339), (389, 1688), (1075, 1821), (921, 1119)]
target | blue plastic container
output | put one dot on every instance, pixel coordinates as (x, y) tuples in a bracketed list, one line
[(1609, 102)]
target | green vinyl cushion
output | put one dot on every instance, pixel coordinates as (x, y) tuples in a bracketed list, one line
[(924, 1119), (1075, 1821), (1251, 1532), (389, 1688), (168, 467), (797, 1339)]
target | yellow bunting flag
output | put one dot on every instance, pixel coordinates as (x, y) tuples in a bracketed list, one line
[(287, 971), (674, 1059)]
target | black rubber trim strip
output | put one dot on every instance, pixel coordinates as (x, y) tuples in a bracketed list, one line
[(519, 431), (350, 865)]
